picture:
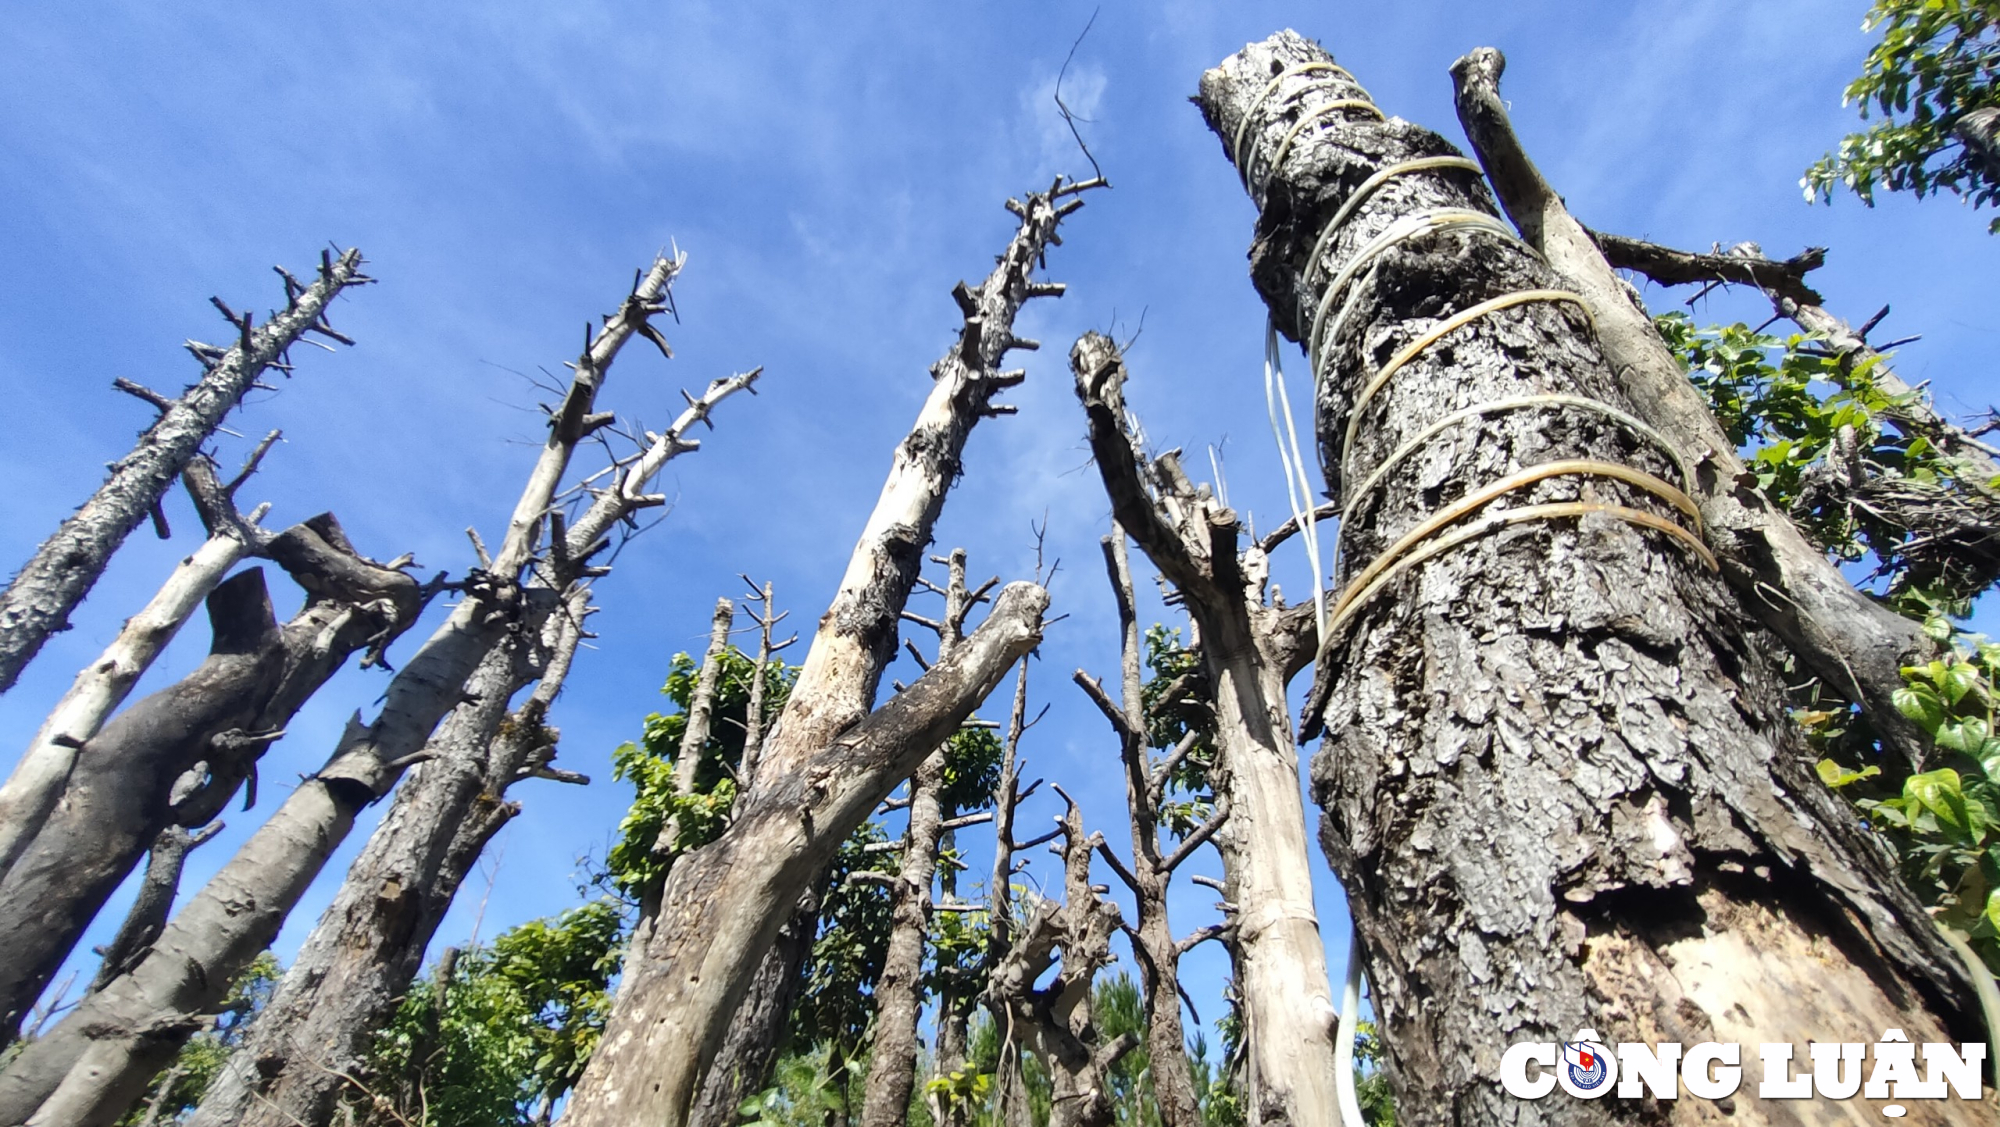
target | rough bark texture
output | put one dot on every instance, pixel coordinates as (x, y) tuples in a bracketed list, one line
[(48, 587), (121, 798), (91, 1067), (1560, 786), (1841, 635), (164, 862), (353, 969), (825, 767), (1249, 648), (899, 989), (1979, 132), (757, 1030), (37, 780), (1056, 1020)]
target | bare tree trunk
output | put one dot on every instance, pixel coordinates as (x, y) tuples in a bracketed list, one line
[(757, 1030), (38, 777), (180, 754), (700, 721), (899, 990), (1979, 132), (1560, 786), (1851, 642), (754, 709), (1249, 649), (89, 1069), (164, 862), (1153, 944), (825, 766), (1056, 1020), (41, 596), (359, 960)]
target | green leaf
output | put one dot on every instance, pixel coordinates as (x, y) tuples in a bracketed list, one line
[(1836, 776), (1921, 704), (1938, 628), (1959, 680)]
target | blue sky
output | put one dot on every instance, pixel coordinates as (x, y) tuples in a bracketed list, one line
[(831, 170)]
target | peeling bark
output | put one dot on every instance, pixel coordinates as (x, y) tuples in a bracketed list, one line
[(824, 766), (62, 571), (1560, 786), (1249, 648)]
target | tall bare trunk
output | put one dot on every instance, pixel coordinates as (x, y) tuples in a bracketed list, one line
[(1845, 638), (1560, 786), (1153, 943), (825, 766), (90, 1068), (62, 571), (757, 1030), (359, 960), (1249, 648), (899, 990), (31, 791)]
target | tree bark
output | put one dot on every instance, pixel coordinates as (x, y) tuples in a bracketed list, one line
[(119, 799), (38, 777), (700, 721), (1979, 132), (1850, 641), (899, 990), (1153, 944), (359, 960), (164, 862), (1056, 1020), (825, 766), (90, 1068), (757, 1030), (48, 587), (180, 755), (1560, 786), (1249, 648)]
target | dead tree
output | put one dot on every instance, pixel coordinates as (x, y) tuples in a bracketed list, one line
[(149, 911), (1008, 795), (700, 721), (358, 962), (1847, 640), (103, 1053), (828, 760), (1250, 647), (1153, 945), (55, 579), (899, 991), (1558, 774), (179, 755), (1056, 1020), (757, 1031), (31, 791)]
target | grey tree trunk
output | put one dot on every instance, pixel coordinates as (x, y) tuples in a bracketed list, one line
[(1153, 945), (757, 1030), (48, 587), (1056, 1020), (126, 783), (1249, 647), (1979, 132), (1560, 785), (148, 915), (899, 990), (90, 1068), (700, 720), (1851, 642), (359, 960), (31, 791), (824, 766)]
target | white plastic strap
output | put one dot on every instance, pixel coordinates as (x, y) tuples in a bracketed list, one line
[(1360, 196), (1257, 103)]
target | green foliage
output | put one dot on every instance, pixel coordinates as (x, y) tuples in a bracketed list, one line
[(1174, 696), (1214, 1088), (1371, 1084), (836, 1003), (1116, 1009), (200, 1061), (812, 1088), (648, 765), (1815, 431), (971, 771), (517, 1023), (1937, 61)]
